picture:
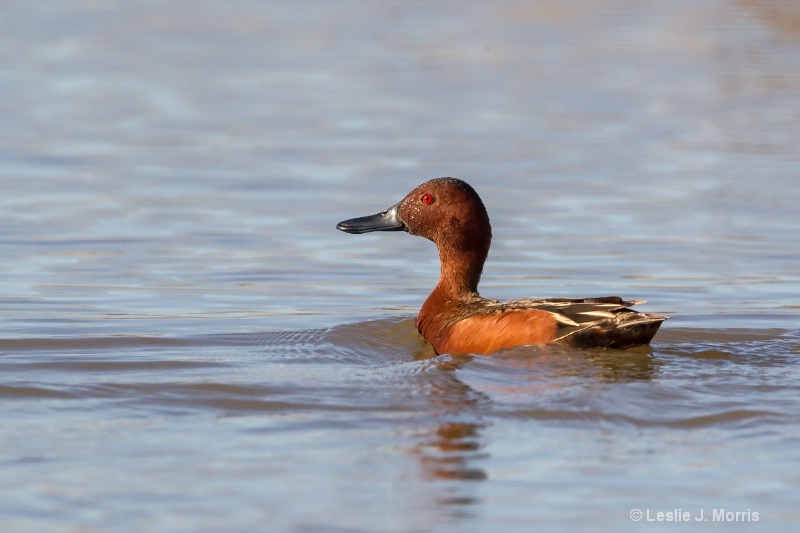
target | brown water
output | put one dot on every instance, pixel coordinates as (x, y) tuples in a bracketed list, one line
[(188, 344)]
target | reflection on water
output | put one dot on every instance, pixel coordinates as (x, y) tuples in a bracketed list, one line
[(188, 344), (455, 443)]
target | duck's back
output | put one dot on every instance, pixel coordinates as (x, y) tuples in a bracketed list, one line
[(607, 322), (474, 324)]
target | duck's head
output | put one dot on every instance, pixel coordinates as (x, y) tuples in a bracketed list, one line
[(447, 211), (451, 214)]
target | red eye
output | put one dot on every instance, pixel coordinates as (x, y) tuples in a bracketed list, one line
[(427, 199)]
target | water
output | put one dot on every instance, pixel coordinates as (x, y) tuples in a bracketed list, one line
[(188, 344)]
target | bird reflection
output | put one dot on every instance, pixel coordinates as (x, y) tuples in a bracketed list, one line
[(452, 451), (523, 382)]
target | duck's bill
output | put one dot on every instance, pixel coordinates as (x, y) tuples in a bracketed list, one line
[(385, 221)]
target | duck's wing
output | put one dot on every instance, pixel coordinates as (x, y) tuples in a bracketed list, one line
[(607, 322)]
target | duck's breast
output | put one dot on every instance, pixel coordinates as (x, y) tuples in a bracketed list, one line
[(485, 333)]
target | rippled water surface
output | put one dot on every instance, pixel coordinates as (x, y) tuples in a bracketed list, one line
[(188, 344)]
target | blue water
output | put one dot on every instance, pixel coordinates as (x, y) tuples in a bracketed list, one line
[(188, 344)]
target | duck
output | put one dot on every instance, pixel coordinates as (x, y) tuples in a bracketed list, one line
[(455, 319)]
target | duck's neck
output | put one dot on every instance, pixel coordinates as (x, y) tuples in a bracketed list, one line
[(460, 270), (458, 281)]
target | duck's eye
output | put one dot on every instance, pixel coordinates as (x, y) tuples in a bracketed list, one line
[(427, 199)]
